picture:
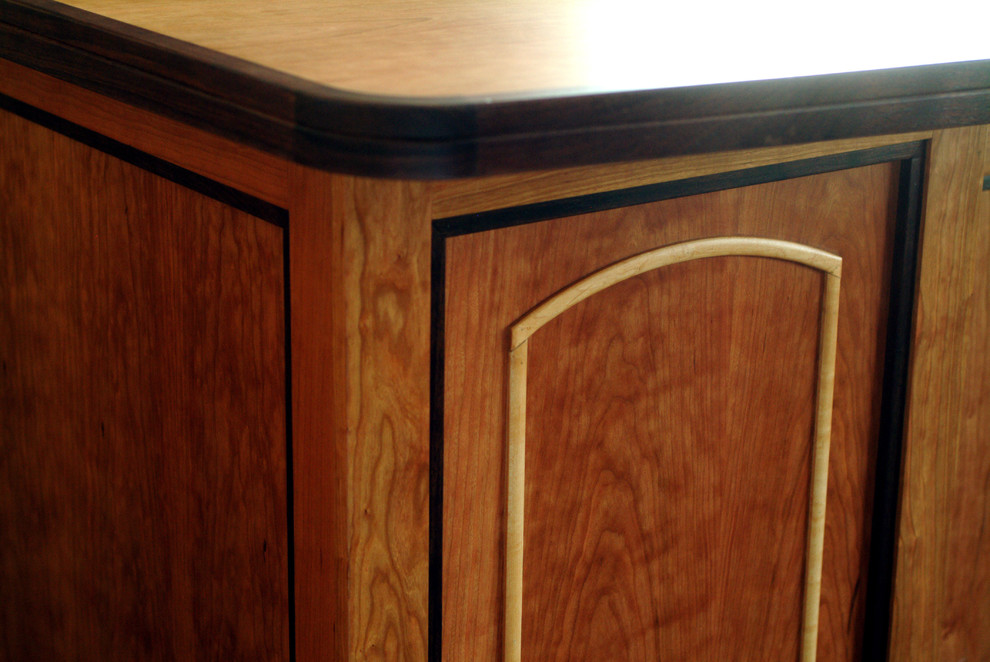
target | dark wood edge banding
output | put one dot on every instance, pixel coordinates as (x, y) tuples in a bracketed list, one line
[(893, 408), (227, 195), (239, 200), (146, 90), (883, 520), (438, 268), (290, 527), (383, 136)]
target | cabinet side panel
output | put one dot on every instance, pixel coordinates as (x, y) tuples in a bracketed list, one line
[(142, 414), (941, 604), (495, 277)]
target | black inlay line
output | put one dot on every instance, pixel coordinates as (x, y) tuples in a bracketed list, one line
[(894, 389), (986, 183), (289, 488), (595, 202), (438, 291), (900, 316), (227, 195)]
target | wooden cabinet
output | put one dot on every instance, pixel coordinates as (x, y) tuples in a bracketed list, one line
[(290, 373)]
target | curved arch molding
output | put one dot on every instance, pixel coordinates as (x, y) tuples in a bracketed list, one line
[(829, 264)]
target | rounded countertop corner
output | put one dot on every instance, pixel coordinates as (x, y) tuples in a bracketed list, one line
[(395, 90)]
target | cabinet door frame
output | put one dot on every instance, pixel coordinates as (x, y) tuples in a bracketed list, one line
[(911, 157)]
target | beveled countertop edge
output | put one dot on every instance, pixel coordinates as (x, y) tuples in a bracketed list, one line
[(417, 138)]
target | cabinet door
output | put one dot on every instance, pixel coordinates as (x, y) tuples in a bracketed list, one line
[(143, 504), (669, 426)]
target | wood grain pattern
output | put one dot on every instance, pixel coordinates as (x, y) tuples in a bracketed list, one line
[(941, 607), (494, 277), (252, 171), (319, 423), (697, 249), (825, 391), (142, 414), (468, 196), (600, 281), (515, 509), (446, 48), (383, 295), (642, 538)]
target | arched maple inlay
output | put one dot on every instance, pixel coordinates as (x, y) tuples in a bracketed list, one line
[(570, 296)]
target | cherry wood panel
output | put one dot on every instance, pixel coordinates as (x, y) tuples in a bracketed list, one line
[(319, 450), (568, 300), (142, 414), (360, 269), (665, 516), (941, 607), (363, 250), (386, 286), (741, 365)]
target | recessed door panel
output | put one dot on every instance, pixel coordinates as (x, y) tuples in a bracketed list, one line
[(670, 421)]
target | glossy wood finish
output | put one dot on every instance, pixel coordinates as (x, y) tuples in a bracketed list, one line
[(941, 607), (143, 441), (821, 447), (381, 579), (326, 85), (603, 280), (360, 265), (447, 48), (641, 538), (360, 268), (769, 319), (382, 232), (320, 458), (698, 249)]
